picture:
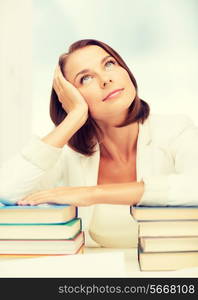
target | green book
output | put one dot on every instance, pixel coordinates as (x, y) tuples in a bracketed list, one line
[(40, 231)]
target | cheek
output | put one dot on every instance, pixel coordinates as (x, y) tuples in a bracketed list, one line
[(89, 93), (130, 85), (124, 77)]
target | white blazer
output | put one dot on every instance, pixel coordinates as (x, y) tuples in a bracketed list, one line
[(167, 162)]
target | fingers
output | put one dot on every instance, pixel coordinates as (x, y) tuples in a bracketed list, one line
[(30, 201), (36, 198), (60, 74), (60, 85), (56, 82), (59, 82), (59, 78)]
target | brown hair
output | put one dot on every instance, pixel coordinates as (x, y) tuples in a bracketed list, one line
[(85, 139)]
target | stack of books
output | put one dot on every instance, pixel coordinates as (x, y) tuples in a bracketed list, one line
[(40, 230), (167, 237)]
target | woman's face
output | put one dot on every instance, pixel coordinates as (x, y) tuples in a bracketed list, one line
[(96, 74)]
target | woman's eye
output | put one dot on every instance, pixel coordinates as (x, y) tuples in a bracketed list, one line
[(110, 63), (85, 79)]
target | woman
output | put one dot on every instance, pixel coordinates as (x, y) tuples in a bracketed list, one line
[(106, 149)]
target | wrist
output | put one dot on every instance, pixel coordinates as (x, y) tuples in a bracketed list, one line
[(78, 115), (118, 193), (91, 195)]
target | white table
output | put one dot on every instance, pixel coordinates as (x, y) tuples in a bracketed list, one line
[(132, 267), (95, 262)]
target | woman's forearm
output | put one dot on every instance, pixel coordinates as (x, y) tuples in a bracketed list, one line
[(116, 193), (128, 193), (59, 136)]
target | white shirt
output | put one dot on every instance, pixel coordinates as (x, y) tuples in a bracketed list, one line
[(167, 162)]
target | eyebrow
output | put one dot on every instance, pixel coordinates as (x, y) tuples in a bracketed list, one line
[(88, 70)]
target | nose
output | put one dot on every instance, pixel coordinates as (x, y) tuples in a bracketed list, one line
[(105, 80)]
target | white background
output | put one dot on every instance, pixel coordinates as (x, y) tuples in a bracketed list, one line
[(157, 39)]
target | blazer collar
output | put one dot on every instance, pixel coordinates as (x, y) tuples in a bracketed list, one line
[(144, 135)]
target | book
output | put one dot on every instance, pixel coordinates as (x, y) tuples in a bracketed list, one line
[(29, 231), (167, 228), (22, 256), (4, 201), (167, 261), (168, 244), (44, 213), (62, 246), (148, 213), (167, 237)]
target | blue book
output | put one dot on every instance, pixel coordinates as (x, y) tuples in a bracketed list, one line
[(4, 201), (43, 213)]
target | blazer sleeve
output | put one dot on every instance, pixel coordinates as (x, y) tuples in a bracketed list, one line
[(181, 187), (37, 167)]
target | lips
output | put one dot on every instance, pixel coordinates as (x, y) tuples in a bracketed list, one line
[(112, 94)]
